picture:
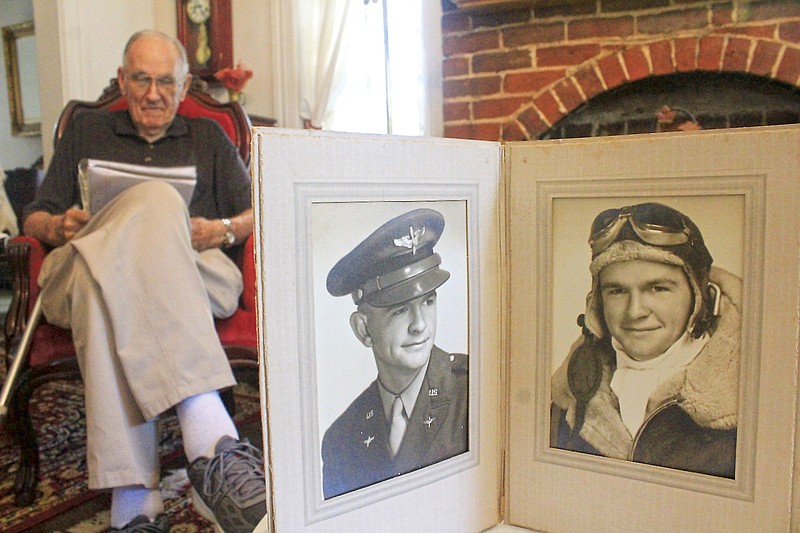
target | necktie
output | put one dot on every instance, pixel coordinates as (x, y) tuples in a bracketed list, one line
[(398, 427)]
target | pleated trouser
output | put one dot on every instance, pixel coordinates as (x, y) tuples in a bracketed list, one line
[(141, 305)]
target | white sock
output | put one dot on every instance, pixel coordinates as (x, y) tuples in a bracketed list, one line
[(129, 502), (204, 420)]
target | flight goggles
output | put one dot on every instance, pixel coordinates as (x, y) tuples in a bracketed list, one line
[(653, 223)]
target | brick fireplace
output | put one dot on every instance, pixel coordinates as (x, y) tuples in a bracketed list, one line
[(518, 70)]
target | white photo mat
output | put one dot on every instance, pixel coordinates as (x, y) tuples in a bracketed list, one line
[(297, 177), (739, 186)]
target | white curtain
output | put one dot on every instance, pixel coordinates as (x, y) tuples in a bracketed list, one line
[(415, 44), (407, 100), (331, 65), (322, 41), (360, 98)]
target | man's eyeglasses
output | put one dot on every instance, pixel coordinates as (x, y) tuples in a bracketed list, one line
[(165, 84), (655, 224)]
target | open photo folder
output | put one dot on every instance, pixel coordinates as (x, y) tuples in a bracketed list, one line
[(101, 181), (515, 241)]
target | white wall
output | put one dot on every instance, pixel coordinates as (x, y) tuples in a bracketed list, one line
[(14, 151), (254, 33), (84, 48)]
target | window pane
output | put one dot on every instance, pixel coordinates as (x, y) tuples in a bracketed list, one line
[(407, 66), (361, 105)]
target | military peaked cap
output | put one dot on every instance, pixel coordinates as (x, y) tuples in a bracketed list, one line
[(395, 264)]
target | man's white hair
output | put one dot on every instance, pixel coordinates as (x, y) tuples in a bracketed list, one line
[(184, 60)]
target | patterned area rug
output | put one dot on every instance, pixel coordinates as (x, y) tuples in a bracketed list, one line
[(59, 418)]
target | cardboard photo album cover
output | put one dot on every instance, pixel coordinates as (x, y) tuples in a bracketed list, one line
[(584, 335)]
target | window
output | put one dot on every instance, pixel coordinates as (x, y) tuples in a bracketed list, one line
[(391, 70)]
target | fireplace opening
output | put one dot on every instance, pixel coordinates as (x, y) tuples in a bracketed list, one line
[(715, 99)]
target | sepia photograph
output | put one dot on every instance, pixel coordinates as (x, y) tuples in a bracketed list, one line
[(647, 339)]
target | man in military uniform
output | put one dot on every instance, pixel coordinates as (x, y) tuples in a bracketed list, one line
[(415, 413)]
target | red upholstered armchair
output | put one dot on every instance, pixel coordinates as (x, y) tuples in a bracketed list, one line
[(45, 353)]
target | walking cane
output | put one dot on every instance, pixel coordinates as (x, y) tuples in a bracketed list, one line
[(20, 359)]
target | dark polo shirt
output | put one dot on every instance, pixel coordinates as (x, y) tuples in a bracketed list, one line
[(223, 182)]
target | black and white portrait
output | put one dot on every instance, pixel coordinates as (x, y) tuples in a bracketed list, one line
[(392, 365)]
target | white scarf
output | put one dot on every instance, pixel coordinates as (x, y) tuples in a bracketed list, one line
[(635, 381)]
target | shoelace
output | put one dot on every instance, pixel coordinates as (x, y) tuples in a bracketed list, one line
[(242, 482), (152, 527)]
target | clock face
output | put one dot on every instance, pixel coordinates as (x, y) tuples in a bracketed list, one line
[(198, 10)]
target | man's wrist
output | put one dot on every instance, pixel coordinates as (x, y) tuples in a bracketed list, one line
[(229, 238)]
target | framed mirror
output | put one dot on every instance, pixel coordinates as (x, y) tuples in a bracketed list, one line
[(19, 49)]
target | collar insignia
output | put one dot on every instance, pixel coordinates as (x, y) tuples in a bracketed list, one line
[(369, 440), (429, 421)]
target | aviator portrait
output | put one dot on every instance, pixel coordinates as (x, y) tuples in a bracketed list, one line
[(403, 404), (653, 376)]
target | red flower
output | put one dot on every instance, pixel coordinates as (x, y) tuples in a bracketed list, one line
[(234, 79)]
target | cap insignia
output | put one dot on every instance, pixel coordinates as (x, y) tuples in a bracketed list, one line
[(411, 240)]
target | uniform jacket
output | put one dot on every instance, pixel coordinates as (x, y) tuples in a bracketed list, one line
[(355, 449), (691, 420)]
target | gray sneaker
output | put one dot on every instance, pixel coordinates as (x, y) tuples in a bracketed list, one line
[(142, 524), (230, 488)]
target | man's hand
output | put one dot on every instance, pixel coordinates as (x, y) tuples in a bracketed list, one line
[(71, 222), (211, 233), (56, 230), (207, 233)]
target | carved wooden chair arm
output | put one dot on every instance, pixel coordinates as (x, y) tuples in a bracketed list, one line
[(18, 252)]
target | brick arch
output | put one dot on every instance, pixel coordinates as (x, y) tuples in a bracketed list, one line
[(768, 58)]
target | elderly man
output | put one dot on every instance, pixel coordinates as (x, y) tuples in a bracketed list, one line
[(140, 282), (655, 377), (415, 413)]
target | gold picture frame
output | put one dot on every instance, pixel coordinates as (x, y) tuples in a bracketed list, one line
[(19, 50)]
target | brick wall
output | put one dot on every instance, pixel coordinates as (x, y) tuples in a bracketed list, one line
[(512, 73)]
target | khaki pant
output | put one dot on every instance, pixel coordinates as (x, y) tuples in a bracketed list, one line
[(140, 303)]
